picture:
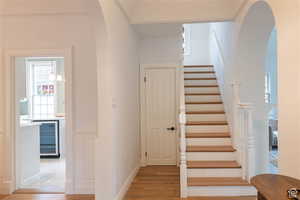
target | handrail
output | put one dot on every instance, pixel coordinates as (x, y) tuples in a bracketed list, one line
[(182, 122), (243, 135)]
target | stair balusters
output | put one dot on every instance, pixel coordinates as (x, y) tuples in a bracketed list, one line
[(243, 135)]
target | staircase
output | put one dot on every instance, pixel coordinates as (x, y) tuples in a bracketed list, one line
[(211, 160)]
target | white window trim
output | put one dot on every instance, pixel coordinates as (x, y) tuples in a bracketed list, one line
[(187, 39)]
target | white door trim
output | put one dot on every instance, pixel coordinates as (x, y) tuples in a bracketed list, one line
[(10, 120), (143, 114)]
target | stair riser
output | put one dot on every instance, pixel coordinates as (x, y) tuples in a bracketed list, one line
[(200, 82), (208, 141), (222, 191), (207, 129), (209, 117), (199, 76), (204, 107), (200, 69), (233, 172), (202, 90), (203, 98), (211, 156)]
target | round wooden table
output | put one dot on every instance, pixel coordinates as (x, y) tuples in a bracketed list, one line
[(274, 187)]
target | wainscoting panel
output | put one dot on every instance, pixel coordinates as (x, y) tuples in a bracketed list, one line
[(2, 185), (84, 176)]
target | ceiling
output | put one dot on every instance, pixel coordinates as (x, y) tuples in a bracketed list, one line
[(172, 11)]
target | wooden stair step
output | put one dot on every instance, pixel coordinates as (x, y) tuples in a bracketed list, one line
[(197, 66), (206, 123), (218, 181), (199, 79), (205, 112), (200, 72), (200, 86), (202, 94), (210, 149), (208, 135), (205, 102), (212, 164)]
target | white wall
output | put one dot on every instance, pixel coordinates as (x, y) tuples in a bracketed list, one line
[(288, 72), (198, 41), (221, 52), (56, 24), (2, 167), (161, 50), (178, 11), (160, 43), (117, 150), (251, 80)]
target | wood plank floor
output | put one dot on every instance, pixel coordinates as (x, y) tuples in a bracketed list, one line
[(163, 183), (48, 197), (151, 183)]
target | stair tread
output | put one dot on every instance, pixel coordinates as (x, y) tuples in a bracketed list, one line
[(218, 181), (200, 72), (202, 94), (204, 102), (197, 66), (213, 164), (208, 135), (199, 79), (195, 148), (200, 86), (194, 123), (204, 112)]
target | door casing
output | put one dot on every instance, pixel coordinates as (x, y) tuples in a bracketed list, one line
[(10, 183)]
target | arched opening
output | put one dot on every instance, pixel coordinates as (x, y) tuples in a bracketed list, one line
[(271, 100), (252, 53)]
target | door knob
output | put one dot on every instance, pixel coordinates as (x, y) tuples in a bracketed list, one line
[(171, 128)]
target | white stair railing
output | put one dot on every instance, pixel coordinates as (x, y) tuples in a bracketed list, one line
[(182, 122), (243, 135)]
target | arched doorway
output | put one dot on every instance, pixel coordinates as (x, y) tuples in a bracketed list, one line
[(251, 69), (271, 100)]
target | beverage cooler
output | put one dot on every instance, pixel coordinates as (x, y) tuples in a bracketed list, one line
[(49, 138)]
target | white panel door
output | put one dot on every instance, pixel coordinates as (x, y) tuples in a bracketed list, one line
[(161, 116)]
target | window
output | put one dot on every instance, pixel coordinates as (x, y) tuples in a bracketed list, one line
[(267, 88), (186, 39), (43, 88)]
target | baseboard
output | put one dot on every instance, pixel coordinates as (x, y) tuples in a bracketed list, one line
[(84, 186), (127, 184), (5, 187)]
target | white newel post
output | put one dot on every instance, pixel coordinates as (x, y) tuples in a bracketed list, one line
[(182, 122), (183, 162)]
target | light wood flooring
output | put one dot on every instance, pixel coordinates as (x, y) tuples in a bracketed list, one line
[(151, 183), (48, 197), (163, 183)]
